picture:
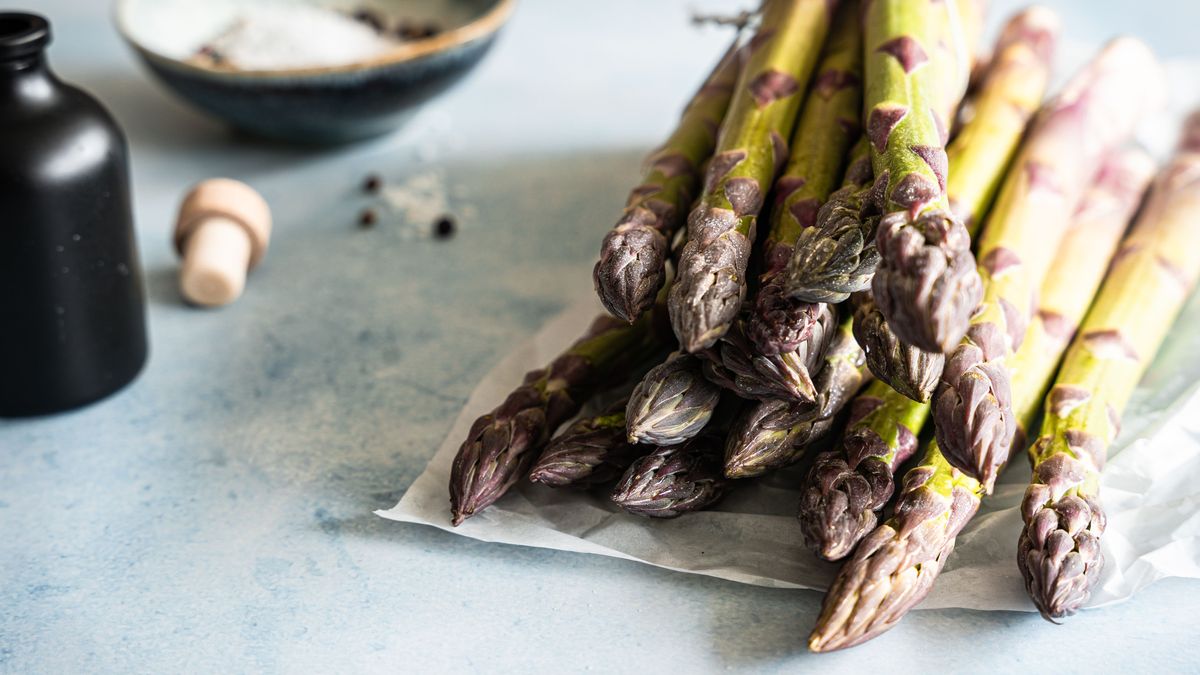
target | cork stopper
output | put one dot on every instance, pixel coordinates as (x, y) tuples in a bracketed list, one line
[(222, 232)]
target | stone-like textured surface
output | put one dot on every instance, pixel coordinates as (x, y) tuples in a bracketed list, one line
[(216, 517)]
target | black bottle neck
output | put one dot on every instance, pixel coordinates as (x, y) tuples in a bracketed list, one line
[(24, 73)]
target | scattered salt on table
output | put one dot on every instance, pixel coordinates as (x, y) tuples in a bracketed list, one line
[(294, 36)]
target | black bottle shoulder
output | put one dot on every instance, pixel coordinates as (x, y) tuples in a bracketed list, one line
[(61, 138)]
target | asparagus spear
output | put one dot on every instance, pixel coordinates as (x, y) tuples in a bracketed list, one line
[(979, 156), (925, 284), (896, 564), (1008, 96), (632, 265), (591, 451), (737, 365), (774, 433), (1153, 274), (827, 126), (673, 480), (1067, 290), (672, 403), (502, 443), (973, 414), (847, 486), (751, 148)]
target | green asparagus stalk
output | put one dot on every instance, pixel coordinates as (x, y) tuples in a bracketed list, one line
[(632, 265), (827, 126), (1067, 290), (672, 403), (925, 284), (751, 149), (957, 55), (1009, 94), (1152, 276), (591, 451), (847, 486), (775, 432), (973, 413), (895, 566), (501, 445), (980, 154), (737, 365), (673, 480)]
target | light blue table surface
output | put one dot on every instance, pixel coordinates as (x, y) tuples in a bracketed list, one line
[(217, 515)]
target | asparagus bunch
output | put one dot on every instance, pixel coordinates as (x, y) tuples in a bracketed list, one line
[(591, 451), (774, 433), (501, 445), (673, 480), (1153, 274), (849, 485), (672, 403), (632, 265), (751, 149), (973, 414), (895, 566), (827, 126)]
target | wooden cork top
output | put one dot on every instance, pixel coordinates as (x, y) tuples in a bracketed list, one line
[(226, 198)]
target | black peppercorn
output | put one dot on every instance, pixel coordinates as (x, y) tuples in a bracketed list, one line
[(367, 219), (444, 226), (372, 183)]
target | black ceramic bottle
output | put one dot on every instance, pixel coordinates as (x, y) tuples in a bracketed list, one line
[(72, 326)]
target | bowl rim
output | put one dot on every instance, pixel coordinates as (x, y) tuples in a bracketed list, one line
[(482, 26)]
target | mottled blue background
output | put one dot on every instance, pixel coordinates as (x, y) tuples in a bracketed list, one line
[(216, 516)]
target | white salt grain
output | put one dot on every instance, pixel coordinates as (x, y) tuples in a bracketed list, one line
[(296, 36), (419, 200)]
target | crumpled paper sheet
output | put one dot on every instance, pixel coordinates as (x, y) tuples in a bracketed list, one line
[(1150, 486)]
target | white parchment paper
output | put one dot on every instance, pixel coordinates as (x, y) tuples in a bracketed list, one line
[(1150, 487)]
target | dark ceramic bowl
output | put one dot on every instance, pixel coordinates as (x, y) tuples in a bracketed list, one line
[(312, 105)]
